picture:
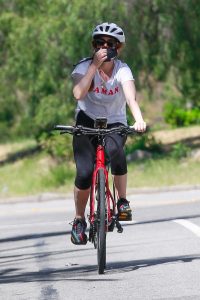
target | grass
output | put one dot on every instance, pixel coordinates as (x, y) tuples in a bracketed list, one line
[(34, 175), (39, 174), (163, 172)]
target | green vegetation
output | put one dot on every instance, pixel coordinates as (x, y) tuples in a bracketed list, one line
[(39, 43), (163, 172), (177, 115), (35, 175), (41, 174), (41, 40)]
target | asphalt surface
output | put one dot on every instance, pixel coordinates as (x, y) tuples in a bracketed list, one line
[(156, 257)]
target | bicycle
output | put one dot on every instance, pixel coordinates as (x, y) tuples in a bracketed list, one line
[(103, 216)]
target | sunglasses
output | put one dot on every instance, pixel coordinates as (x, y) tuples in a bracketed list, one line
[(101, 42)]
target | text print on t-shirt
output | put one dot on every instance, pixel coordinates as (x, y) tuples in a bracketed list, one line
[(104, 91)]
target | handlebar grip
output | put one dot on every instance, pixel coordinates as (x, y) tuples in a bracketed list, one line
[(63, 127), (132, 127), (146, 130)]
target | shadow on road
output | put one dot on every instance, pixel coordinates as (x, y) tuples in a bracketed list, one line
[(33, 236), (41, 255), (59, 233), (10, 274), (138, 264), (50, 275), (163, 220), (80, 273)]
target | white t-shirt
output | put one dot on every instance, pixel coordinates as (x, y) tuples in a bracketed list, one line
[(107, 98)]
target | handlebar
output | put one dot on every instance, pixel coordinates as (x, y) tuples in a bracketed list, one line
[(81, 130)]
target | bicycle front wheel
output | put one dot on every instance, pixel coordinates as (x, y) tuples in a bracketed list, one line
[(101, 223)]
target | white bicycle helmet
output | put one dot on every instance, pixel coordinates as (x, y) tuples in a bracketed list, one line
[(110, 29)]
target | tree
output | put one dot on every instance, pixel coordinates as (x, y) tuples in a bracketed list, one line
[(41, 40)]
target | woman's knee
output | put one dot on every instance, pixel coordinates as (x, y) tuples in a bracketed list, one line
[(83, 180)]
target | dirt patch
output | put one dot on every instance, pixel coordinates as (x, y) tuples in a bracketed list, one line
[(11, 148), (12, 157), (4, 150), (177, 135)]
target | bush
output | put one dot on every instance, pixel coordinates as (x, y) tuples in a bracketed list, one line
[(143, 142), (61, 174), (177, 114), (59, 147), (51, 111), (179, 151)]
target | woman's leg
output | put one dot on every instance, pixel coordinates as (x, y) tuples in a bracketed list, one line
[(84, 156), (80, 199), (120, 184), (119, 169), (115, 150)]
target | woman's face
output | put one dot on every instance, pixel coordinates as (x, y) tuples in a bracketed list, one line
[(105, 42)]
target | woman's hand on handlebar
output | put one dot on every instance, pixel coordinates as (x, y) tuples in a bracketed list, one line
[(140, 126)]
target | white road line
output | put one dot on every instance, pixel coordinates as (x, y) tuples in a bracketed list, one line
[(189, 225)]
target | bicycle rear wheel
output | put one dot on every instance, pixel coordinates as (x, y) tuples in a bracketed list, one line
[(101, 224)]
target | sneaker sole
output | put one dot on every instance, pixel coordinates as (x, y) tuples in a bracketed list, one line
[(125, 217), (78, 243)]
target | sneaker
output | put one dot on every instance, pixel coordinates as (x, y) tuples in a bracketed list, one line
[(78, 236), (124, 210)]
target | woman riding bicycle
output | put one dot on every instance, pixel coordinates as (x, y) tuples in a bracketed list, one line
[(103, 85)]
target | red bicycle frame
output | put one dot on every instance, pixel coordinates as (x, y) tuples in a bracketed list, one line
[(110, 201)]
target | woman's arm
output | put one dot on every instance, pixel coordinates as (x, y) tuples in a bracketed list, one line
[(82, 83), (130, 94)]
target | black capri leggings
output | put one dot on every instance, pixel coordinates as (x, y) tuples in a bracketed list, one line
[(84, 148)]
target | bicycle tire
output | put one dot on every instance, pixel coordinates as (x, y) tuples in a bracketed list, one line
[(101, 224)]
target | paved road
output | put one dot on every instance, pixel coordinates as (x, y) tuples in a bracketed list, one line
[(156, 257)]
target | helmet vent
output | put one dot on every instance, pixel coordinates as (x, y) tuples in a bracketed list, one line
[(114, 29), (101, 28), (107, 28), (120, 33)]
